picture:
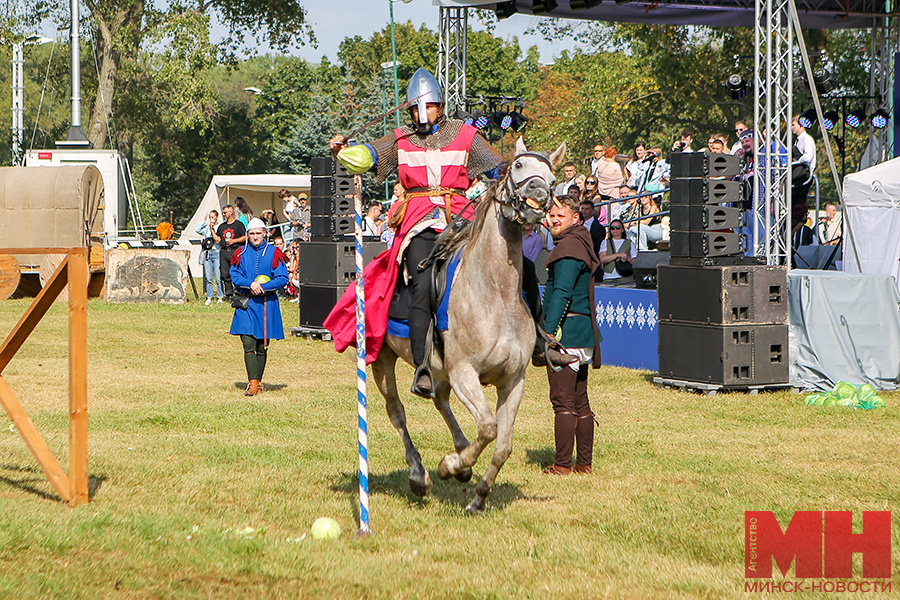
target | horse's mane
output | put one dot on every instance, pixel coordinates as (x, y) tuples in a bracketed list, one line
[(461, 238)]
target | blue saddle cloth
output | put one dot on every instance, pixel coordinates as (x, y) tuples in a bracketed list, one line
[(400, 327)]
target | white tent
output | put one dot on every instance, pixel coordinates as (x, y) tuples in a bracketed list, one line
[(260, 192), (871, 206)]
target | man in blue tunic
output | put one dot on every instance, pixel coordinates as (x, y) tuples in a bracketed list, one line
[(258, 270)]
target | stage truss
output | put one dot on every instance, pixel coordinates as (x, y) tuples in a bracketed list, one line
[(774, 48)]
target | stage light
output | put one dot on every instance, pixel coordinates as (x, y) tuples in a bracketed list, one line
[(501, 119), (505, 10), (464, 117), (517, 121), (583, 4), (855, 118), (807, 118), (481, 120), (880, 118), (830, 119), (824, 80), (737, 86), (540, 7)]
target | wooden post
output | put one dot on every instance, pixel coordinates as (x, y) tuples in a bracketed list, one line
[(78, 421), (72, 489)]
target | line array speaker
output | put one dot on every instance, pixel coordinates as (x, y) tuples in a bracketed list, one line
[(326, 225), (696, 244), (703, 164), (334, 263), (728, 355), (326, 166), (331, 206), (316, 301), (335, 185), (723, 295), (706, 191), (704, 217)]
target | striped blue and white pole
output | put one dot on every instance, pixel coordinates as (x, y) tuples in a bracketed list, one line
[(361, 367)]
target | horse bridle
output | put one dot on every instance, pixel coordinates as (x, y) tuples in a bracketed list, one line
[(512, 199)]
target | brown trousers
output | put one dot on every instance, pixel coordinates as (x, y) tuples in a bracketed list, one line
[(574, 418)]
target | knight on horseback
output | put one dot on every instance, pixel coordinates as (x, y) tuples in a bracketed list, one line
[(437, 160)]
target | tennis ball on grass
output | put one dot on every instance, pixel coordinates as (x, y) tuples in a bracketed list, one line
[(262, 279), (325, 528)]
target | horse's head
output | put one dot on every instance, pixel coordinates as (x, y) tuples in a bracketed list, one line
[(528, 188)]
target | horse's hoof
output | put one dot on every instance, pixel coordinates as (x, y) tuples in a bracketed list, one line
[(464, 476), (445, 471), (475, 507), (419, 488)]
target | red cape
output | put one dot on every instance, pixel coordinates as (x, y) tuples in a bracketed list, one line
[(380, 278)]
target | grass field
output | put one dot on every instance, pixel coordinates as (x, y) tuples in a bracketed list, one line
[(199, 492)]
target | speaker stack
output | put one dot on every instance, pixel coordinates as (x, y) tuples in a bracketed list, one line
[(331, 202), (722, 315), (328, 260)]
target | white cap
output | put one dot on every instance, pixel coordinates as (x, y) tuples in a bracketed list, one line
[(256, 223)]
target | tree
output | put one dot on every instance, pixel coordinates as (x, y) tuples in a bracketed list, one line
[(182, 33)]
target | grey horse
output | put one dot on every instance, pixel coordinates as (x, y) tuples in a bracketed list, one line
[(491, 333)]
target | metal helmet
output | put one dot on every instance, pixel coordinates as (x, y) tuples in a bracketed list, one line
[(424, 88)]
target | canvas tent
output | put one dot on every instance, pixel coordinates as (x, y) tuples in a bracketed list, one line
[(260, 191), (871, 206)]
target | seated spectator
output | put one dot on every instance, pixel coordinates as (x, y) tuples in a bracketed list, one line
[(716, 146), (650, 228), (568, 179), (596, 158), (739, 128), (609, 174), (373, 223), (590, 194), (656, 176), (293, 286), (617, 209), (801, 232), (830, 226), (614, 251), (598, 232)]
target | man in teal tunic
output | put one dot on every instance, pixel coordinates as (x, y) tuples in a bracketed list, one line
[(569, 317)]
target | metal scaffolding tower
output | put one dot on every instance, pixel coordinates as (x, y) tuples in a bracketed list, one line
[(452, 56), (769, 230)]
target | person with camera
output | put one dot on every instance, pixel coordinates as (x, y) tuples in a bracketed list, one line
[(683, 144), (209, 257)]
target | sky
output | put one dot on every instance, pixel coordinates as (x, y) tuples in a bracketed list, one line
[(334, 20)]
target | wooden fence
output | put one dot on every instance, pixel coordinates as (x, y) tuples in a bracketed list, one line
[(71, 488)]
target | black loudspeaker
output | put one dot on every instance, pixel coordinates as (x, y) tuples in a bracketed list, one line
[(645, 268), (700, 244), (706, 191), (717, 261), (316, 301), (328, 226), (337, 206), (728, 355), (705, 217), (327, 166), (723, 295), (703, 164), (334, 263), (331, 186)]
